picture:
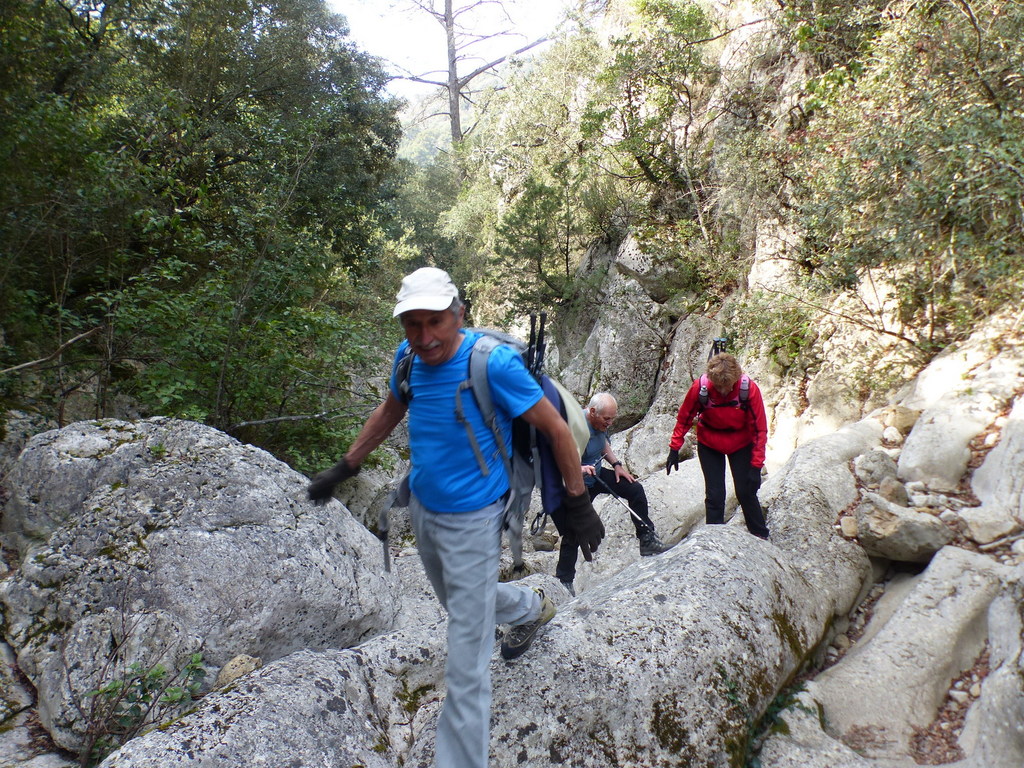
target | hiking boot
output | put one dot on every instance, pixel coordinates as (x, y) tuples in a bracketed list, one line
[(520, 636), (569, 587), (650, 543)]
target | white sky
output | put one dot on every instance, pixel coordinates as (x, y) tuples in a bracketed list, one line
[(415, 41)]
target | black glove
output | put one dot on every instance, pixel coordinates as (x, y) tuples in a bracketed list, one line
[(755, 478), (584, 522), (672, 462), (321, 488)]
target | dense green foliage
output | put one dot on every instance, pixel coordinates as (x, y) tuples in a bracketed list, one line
[(201, 209), (202, 187), (535, 195), (898, 159), (912, 168), (596, 142)]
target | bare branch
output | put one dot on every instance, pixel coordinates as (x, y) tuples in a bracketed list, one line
[(278, 419), (855, 321), (465, 79), (424, 81), (53, 354)]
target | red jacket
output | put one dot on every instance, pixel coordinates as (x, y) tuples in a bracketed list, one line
[(726, 429)]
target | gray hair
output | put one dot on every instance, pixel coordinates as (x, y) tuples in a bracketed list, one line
[(602, 401)]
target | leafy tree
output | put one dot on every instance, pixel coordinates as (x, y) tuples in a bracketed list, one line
[(912, 168), (190, 184), (535, 197), (654, 89)]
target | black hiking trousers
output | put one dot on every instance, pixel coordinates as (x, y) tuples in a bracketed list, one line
[(746, 479), (632, 493)]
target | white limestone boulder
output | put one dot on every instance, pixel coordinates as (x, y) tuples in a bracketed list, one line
[(16, 427), (622, 353), (164, 538), (999, 481), (888, 530), (873, 467), (803, 500), (961, 392), (668, 657), (901, 675), (672, 655), (644, 447), (993, 732), (15, 696), (20, 746)]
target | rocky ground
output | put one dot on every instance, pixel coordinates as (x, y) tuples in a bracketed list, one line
[(938, 743)]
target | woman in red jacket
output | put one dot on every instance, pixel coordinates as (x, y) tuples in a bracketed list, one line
[(729, 411)]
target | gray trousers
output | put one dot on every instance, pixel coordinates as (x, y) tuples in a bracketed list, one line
[(460, 556)]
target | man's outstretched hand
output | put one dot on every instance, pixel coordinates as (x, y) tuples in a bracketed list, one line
[(321, 487)]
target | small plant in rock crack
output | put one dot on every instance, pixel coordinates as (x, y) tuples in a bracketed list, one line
[(124, 707)]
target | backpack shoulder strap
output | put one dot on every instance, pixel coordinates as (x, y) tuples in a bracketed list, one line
[(744, 391), (480, 386), (403, 374)]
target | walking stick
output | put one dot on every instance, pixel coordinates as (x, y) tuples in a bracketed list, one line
[(619, 499)]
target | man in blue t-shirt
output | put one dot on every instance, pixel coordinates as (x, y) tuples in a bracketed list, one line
[(457, 508), (600, 413)]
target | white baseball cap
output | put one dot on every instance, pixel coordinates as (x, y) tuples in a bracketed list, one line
[(426, 288)]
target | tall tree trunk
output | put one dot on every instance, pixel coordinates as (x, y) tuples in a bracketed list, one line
[(453, 74)]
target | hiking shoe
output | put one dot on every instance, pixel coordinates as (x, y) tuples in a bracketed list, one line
[(650, 543), (520, 636), (569, 587)]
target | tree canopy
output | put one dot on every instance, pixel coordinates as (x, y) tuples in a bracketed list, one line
[(202, 214), (196, 186)]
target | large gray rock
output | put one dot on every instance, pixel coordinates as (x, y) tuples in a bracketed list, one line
[(803, 500), (873, 467), (644, 447), (902, 674), (15, 697), (21, 747), (16, 427), (999, 481), (894, 532), (671, 655), (933, 635), (146, 542), (938, 448), (623, 353), (961, 392), (334, 708), (993, 734), (800, 742)]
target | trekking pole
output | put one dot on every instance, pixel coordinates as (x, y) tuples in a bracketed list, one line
[(619, 499), (383, 527), (539, 362), (531, 349)]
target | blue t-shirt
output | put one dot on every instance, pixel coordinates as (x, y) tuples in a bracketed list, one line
[(446, 475), (593, 452)]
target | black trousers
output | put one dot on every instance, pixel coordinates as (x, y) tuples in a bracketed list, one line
[(634, 496), (745, 478)]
